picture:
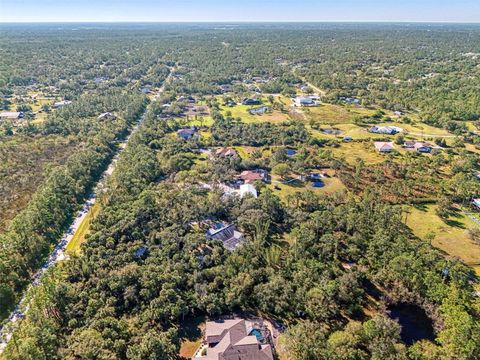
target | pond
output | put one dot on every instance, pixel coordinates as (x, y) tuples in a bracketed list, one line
[(416, 325)]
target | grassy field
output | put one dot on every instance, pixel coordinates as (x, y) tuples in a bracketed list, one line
[(207, 121), (79, 238), (419, 128), (364, 150), (450, 237), (241, 111), (335, 114), (332, 185), (24, 163)]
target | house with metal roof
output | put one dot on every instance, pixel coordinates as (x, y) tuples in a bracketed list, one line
[(227, 234)]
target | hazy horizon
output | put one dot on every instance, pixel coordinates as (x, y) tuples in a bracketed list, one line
[(217, 11)]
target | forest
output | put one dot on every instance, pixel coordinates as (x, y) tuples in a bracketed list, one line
[(328, 263)]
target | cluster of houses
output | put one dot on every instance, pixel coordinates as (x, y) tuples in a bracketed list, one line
[(350, 100), (385, 130), (419, 146), (236, 339), (250, 84), (242, 185), (304, 101)]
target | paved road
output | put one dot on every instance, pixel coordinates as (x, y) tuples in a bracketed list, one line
[(58, 253)]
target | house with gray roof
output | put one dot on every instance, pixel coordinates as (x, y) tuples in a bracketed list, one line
[(235, 339), (227, 234)]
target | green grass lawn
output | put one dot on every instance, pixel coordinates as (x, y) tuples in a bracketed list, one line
[(274, 116), (450, 237), (79, 238), (332, 185), (207, 121)]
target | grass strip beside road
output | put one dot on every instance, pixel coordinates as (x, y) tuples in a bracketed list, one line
[(79, 238)]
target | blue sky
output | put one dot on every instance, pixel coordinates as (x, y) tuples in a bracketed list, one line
[(239, 10)]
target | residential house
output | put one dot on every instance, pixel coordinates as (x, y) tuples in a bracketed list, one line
[(476, 203), (350, 100), (235, 339), (306, 101), (259, 111), (226, 152), (385, 130), (409, 144), (106, 116), (423, 147), (384, 147), (227, 234), (226, 88), (187, 134), (477, 175), (248, 189), (187, 99), (60, 104), (420, 146), (250, 101), (250, 176), (11, 115), (254, 88)]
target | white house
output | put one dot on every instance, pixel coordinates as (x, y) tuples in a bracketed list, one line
[(248, 189), (106, 116), (306, 101), (11, 115), (60, 104), (476, 203), (385, 130), (384, 147)]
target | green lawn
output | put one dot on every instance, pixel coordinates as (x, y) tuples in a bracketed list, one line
[(207, 121), (274, 116), (450, 237), (79, 238), (332, 185)]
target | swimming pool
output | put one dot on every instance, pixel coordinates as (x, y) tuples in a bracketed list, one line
[(257, 333)]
